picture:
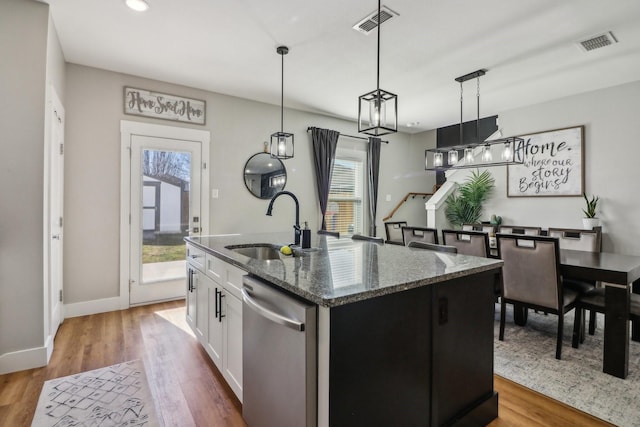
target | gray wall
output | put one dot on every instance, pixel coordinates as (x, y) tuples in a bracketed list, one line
[(23, 49), (238, 129), (611, 171)]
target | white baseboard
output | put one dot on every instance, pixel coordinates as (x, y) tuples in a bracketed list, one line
[(92, 307), (23, 359)]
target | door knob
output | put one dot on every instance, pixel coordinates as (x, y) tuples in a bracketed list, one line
[(56, 237)]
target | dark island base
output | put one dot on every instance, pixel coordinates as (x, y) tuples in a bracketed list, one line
[(422, 357)]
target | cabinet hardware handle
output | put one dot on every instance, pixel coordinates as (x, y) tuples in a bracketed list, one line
[(220, 295), (217, 303), (274, 317)]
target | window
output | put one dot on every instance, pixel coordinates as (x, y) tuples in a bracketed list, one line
[(345, 207)]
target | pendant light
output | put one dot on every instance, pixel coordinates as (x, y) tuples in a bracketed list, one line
[(282, 142), (434, 159), (378, 109)]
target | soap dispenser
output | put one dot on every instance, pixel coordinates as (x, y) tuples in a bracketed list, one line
[(306, 236)]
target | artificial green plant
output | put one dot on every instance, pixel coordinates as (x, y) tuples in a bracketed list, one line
[(464, 205)]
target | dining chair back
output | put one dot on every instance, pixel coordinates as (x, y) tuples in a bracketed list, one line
[(419, 234), (531, 278), (576, 239), (517, 229), (433, 247), (486, 228), (367, 238), (474, 243), (393, 229)]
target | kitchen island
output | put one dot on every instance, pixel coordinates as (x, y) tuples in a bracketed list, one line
[(404, 336)]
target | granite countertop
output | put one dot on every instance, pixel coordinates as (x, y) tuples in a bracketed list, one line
[(337, 271)]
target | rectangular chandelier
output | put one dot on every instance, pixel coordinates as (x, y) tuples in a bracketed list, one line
[(497, 152)]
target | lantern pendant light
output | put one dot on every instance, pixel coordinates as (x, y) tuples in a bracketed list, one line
[(282, 142), (378, 109)]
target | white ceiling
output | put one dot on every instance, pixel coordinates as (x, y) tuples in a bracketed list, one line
[(528, 47)]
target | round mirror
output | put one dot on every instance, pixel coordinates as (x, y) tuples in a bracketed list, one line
[(264, 175)]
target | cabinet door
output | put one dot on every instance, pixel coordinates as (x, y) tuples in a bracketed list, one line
[(213, 342), (202, 285), (191, 298), (232, 330)]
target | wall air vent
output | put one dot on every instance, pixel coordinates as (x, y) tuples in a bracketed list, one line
[(596, 42), (370, 22)]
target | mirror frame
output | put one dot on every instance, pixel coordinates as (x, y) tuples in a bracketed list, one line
[(267, 187)]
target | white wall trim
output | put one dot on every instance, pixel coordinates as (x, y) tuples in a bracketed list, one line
[(23, 359), (92, 307)]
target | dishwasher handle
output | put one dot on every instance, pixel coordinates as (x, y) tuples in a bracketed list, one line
[(273, 316)]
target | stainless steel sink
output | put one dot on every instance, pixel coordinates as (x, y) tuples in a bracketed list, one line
[(261, 252)]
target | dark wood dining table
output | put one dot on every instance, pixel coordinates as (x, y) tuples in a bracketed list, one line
[(618, 273)]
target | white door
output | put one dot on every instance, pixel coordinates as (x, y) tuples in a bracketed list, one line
[(167, 176), (56, 193)]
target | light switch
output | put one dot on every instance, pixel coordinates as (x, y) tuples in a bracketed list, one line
[(214, 193), (388, 197)]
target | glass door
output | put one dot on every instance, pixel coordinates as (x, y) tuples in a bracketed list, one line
[(165, 208)]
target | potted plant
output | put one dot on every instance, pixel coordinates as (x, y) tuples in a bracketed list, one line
[(590, 220), (465, 205)]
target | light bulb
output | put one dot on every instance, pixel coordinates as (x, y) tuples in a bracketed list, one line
[(486, 154), (282, 146), (437, 159), (452, 157), (468, 155), (507, 153), (377, 112)]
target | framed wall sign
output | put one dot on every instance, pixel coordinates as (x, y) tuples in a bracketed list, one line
[(140, 102), (553, 164)]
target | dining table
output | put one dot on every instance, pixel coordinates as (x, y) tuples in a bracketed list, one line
[(619, 274)]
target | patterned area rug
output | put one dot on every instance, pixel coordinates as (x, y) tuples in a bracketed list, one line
[(117, 395), (527, 357)]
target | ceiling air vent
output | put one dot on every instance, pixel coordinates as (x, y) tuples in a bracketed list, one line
[(370, 22), (596, 42)]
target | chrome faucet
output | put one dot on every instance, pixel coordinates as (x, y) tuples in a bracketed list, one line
[(296, 226)]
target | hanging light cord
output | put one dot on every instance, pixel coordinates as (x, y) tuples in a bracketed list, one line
[(282, 93), (378, 63), (478, 110), (461, 140)]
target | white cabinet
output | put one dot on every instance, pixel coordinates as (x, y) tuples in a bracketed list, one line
[(232, 339), (214, 312)]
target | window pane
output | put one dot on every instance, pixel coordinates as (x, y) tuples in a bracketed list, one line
[(344, 209)]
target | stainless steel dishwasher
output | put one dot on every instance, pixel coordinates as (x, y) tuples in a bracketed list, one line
[(279, 358)]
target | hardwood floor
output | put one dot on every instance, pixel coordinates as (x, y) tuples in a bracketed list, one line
[(188, 388)]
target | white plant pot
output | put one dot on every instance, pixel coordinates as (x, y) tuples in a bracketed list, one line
[(589, 223)]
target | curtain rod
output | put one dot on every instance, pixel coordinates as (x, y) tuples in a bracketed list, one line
[(353, 136)]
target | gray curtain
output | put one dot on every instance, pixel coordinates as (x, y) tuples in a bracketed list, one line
[(324, 152), (373, 168)]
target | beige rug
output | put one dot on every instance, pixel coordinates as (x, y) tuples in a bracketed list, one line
[(117, 395)]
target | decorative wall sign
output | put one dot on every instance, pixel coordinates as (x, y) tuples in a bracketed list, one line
[(141, 102), (553, 164)]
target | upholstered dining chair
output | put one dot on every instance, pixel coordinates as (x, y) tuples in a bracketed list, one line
[(531, 278), (393, 230), (485, 228), (367, 238), (433, 247), (420, 234), (517, 229), (579, 240), (594, 302), (474, 243)]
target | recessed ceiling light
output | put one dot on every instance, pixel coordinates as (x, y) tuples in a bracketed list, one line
[(138, 5), (412, 124)]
